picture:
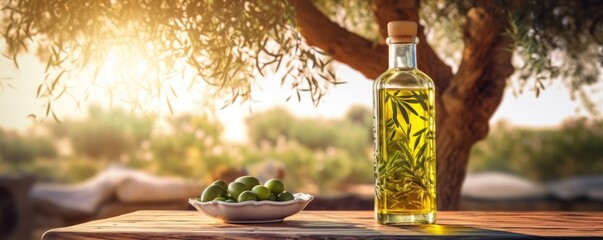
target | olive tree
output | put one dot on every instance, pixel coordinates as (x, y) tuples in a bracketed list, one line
[(472, 49)]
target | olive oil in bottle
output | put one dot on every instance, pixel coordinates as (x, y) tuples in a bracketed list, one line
[(404, 134)]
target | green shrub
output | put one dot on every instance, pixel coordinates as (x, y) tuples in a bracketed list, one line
[(542, 154)]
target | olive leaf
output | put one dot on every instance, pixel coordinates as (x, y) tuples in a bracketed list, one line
[(404, 160)]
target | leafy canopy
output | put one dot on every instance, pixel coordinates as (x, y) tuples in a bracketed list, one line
[(229, 44), (226, 44), (554, 40)]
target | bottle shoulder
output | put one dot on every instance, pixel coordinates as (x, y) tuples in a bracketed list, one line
[(403, 78)]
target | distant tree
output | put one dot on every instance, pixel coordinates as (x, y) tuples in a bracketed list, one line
[(269, 125), (192, 147), (17, 150), (542, 154), (313, 133), (229, 43), (362, 116), (106, 134)]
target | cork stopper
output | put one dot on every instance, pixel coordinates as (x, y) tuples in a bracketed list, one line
[(402, 32)]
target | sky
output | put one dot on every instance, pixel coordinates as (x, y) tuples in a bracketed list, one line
[(550, 109)]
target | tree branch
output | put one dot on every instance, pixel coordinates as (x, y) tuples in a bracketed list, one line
[(346, 47), (427, 60)]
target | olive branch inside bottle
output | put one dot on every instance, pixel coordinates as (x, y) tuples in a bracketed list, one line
[(404, 134)]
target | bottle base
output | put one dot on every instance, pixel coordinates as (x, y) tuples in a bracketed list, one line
[(406, 218)]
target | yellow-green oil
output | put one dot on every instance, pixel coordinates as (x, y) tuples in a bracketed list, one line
[(405, 156)]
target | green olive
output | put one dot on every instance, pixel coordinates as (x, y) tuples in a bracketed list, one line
[(236, 188), (221, 184), (212, 192), (263, 193), (275, 186), (249, 181), (247, 196), (272, 197), (228, 196), (246, 188), (285, 196)]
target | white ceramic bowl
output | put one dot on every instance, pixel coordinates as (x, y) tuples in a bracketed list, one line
[(252, 211)]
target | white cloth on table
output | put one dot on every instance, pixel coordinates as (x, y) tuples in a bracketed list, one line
[(501, 186), (126, 184)]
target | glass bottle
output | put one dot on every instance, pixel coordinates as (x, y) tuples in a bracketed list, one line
[(404, 134)]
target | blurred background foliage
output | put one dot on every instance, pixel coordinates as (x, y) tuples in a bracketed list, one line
[(542, 154), (323, 156), (19, 150)]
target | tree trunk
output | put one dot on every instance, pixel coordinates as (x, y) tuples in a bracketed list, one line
[(465, 101)]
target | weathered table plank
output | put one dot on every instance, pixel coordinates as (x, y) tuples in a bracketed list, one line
[(338, 224)]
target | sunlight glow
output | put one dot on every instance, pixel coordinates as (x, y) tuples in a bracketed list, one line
[(123, 64), (129, 74), (105, 76)]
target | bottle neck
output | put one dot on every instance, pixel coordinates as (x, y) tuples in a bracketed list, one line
[(402, 55)]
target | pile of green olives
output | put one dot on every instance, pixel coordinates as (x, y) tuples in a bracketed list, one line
[(246, 188)]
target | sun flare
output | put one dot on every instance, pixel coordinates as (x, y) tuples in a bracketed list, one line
[(122, 64), (131, 74)]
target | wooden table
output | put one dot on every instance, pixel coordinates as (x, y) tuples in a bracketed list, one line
[(338, 224)]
